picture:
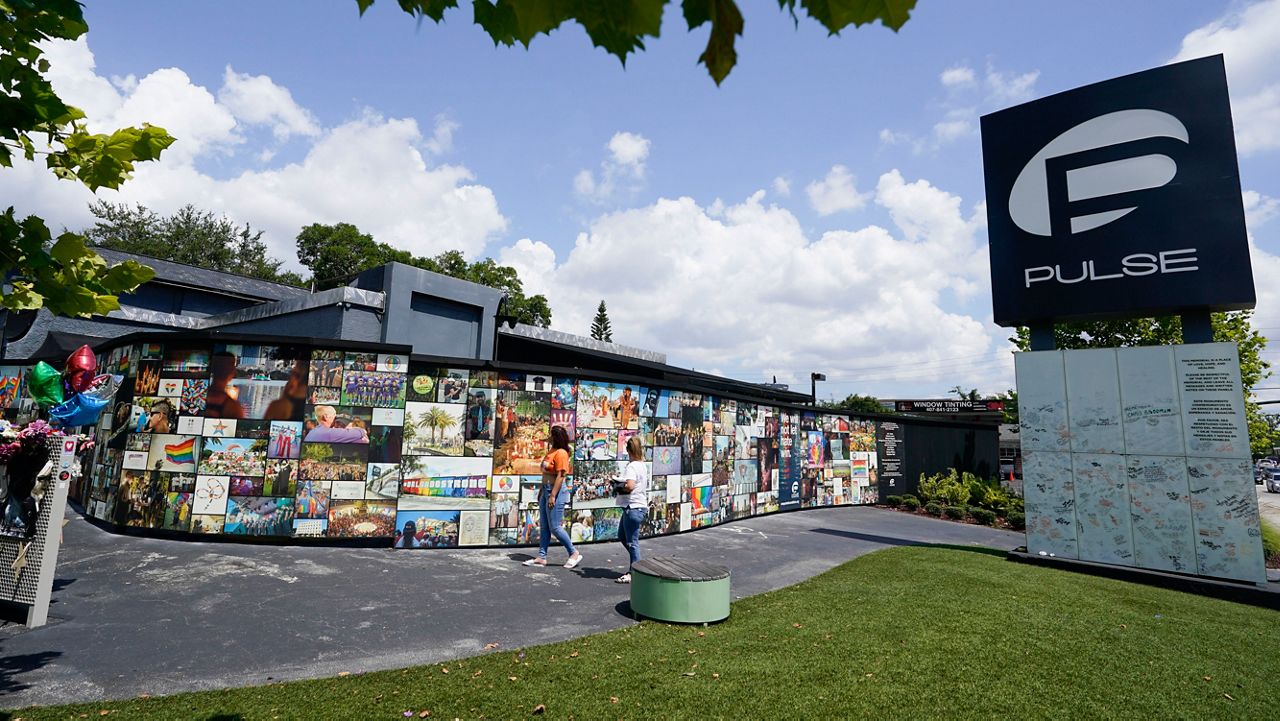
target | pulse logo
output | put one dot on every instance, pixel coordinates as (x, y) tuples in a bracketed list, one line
[(1118, 198), (1094, 174)]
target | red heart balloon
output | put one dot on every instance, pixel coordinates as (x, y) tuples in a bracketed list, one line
[(80, 368)]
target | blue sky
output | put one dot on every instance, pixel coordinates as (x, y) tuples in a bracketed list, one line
[(819, 211)]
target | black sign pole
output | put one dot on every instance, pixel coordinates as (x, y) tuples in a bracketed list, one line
[(1041, 336), (1197, 327)]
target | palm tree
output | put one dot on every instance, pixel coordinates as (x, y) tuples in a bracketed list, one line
[(439, 419)]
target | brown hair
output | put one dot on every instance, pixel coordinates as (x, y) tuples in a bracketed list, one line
[(559, 438), (635, 448)]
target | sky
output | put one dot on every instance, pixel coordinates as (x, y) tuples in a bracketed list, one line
[(822, 210)]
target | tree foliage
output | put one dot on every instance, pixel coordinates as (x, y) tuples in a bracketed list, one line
[(621, 27), (1234, 327), (601, 329), (334, 253), (63, 276), (857, 404), (189, 236)]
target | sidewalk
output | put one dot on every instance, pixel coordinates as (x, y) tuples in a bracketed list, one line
[(136, 615)]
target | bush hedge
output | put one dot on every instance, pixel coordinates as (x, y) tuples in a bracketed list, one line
[(893, 501), (983, 516), (911, 503), (933, 509), (1017, 519), (955, 513)]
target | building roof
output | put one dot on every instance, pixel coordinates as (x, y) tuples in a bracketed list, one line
[(212, 281)]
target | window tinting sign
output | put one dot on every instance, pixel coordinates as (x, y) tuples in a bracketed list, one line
[(1117, 199)]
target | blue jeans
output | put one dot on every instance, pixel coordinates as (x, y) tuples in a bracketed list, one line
[(629, 533), (552, 521)]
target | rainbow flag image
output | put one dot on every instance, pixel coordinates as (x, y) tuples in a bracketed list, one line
[(181, 454), (859, 468)]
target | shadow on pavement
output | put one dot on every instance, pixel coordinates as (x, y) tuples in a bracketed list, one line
[(869, 537), (11, 667)]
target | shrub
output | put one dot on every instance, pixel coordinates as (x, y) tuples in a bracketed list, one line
[(1271, 543), (1017, 520), (893, 501), (949, 488), (955, 513), (983, 516), (933, 509), (905, 496), (911, 503)]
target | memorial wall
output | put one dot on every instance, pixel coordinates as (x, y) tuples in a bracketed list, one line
[(295, 441), (1140, 457)]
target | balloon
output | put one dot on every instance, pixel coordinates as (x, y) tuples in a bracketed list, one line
[(104, 386), (79, 410), (45, 384), (80, 368)]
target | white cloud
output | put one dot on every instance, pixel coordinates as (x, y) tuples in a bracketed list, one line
[(621, 173), (441, 140), (782, 186), (835, 193), (257, 100), (1010, 88), (1259, 208), (965, 100), (1249, 38), (371, 171), (788, 302), (956, 76)]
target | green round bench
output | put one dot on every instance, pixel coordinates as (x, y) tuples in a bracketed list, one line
[(679, 591)]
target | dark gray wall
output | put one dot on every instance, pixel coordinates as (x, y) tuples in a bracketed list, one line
[(433, 313), (931, 449)]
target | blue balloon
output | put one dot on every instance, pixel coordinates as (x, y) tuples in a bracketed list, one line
[(78, 410)]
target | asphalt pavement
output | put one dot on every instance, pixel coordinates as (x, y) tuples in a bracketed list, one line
[(135, 616)]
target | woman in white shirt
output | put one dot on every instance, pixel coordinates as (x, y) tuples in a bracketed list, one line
[(633, 497)]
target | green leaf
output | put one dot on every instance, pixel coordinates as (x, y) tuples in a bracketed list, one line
[(69, 248), (836, 15), (726, 25), (364, 5), (124, 277), (21, 296), (151, 142)]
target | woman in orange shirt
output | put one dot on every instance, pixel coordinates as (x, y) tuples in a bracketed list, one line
[(552, 498)]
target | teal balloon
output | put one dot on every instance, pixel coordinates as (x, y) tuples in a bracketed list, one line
[(45, 384)]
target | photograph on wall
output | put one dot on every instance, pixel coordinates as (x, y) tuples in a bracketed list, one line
[(325, 369), (593, 483), (346, 490), (281, 477), (386, 444), (211, 524), (333, 461), (746, 476), (284, 439), (259, 516), (420, 384), (609, 406), (722, 461), (230, 457), (320, 395), (691, 439), (140, 500), (537, 383), (448, 492), (862, 435), (362, 519), (336, 424), (596, 445), (426, 529), (153, 414), (566, 419), (187, 361), (245, 486), (479, 425), (174, 453), (312, 500), (211, 496), (388, 416), (360, 361), (452, 386), (504, 536), (147, 382), (483, 379), (180, 482), (177, 512), (655, 521), (767, 457), (373, 388), (219, 428), (564, 394), (505, 510), (393, 362), (504, 484), (582, 526), (310, 527), (605, 523), (382, 481), (522, 429), (473, 528), (262, 382), (434, 429), (192, 400)]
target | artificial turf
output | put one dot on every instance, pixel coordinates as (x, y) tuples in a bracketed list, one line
[(912, 632)]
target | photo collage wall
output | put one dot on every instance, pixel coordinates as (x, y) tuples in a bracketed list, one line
[(290, 441)]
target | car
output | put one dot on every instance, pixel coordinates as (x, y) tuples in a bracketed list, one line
[(1273, 480)]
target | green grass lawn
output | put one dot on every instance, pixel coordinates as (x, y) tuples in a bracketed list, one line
[(908, 632)]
